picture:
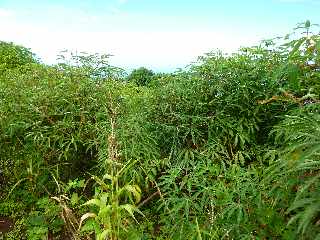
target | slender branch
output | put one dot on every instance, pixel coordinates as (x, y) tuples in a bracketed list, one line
[(148, 199)]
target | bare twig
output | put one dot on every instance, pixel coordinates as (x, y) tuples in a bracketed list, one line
[(148, 199)]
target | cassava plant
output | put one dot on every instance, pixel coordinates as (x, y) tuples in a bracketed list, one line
[(115, 202)]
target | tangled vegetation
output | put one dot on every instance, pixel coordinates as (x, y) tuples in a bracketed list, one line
[(228, 148)]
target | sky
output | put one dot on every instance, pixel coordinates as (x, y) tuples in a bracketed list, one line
[(162, 35)]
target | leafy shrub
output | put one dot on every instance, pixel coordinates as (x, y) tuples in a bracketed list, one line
[(14, 56), (141, 76)]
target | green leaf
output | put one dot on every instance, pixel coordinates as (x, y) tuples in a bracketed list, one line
[(129, 209), (108, 176), (86, 216), (104, 234), (74, 199), (317, 46), (297, 44), (134, 189), (96, 202), (105, 211), (307, 24), (293, 73), (90, 225), (37, 220)]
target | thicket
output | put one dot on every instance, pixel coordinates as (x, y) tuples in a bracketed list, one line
[(228, 148)]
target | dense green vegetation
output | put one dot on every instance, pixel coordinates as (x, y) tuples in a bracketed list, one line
[(228, 148)]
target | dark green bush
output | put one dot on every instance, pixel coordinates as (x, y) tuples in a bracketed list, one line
[(141, 76)]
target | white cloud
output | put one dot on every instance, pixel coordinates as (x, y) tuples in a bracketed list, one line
[(156, 50), (5, 13)]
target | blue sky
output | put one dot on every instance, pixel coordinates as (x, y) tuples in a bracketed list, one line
[(159, 34)]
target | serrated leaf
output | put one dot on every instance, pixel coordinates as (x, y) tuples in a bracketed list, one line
[(94, 201)]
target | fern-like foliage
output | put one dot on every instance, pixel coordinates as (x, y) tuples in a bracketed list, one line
[(298, 169)]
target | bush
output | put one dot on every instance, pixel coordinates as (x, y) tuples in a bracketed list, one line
[(14, 56), (140, 76)]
